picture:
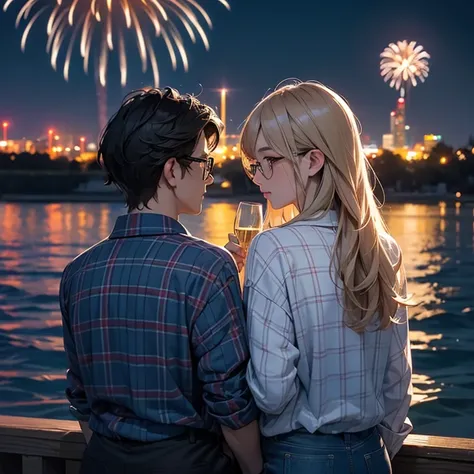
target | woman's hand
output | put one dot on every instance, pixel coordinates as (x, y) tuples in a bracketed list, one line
[(238, 252)]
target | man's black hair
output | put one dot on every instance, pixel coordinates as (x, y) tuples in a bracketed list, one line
[(151, 127)]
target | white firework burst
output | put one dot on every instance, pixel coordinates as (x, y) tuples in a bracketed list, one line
[(78, 22), (404, 63)]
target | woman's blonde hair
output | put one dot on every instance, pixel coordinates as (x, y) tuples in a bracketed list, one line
[(305, 116)]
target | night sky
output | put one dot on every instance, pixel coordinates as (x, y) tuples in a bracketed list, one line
[(253, 47)]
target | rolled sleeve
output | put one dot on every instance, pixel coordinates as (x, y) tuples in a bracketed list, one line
[(220, 346), (75, 392)]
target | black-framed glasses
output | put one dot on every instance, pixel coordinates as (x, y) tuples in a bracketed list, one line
[(208, 167)]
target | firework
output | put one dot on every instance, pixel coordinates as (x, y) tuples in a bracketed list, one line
[(403, 64), (81, 23)]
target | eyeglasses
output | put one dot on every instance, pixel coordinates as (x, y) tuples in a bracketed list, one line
[(209, 164), (265, 168)]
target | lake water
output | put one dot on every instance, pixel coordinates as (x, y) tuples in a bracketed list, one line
[(38, 240)]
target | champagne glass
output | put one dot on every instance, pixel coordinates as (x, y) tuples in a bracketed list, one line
[(248, 222)]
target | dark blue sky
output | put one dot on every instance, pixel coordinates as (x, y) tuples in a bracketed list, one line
[(253, 47)]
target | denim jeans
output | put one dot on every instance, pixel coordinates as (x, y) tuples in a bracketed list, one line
[(300, 452)]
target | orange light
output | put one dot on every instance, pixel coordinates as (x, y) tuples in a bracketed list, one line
[(5, 124), (443, 160), (50, 132)]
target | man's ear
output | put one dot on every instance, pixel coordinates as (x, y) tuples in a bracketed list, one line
[(169, 172)]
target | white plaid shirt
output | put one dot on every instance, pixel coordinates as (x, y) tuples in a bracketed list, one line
[(308, 369)]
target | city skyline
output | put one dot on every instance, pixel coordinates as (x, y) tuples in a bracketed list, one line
[(249, 55)]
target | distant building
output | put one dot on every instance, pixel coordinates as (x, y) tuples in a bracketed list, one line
[(397, 123), (387, 141), (430, 141), (392, 123)]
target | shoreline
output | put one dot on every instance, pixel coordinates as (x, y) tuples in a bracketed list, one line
[(408, 198)]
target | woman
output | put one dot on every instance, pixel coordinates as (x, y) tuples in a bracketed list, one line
[(325, 293)]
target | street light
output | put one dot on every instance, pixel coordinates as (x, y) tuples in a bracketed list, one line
[(223, 115), (82, 140), (5, 131), (50, 140)]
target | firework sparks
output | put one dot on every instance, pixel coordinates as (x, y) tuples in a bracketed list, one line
[(72, 22), (403, 64)]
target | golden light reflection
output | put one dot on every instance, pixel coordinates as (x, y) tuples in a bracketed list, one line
[(218, 222), (442, 209), (424, 391), (46, 343), (51, 235), (419, 229), (104, 221), (421, 341)]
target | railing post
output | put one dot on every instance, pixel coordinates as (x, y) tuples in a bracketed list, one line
[(32, 465)]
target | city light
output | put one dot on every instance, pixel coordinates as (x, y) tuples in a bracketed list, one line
[(50, 140), (224, 116), (5, 131), (443, 160), (458, 194)]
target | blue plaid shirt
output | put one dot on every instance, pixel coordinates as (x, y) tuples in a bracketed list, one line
[(154, 333)]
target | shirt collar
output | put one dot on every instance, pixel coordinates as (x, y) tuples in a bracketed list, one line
[(142, 224), (330, 219)]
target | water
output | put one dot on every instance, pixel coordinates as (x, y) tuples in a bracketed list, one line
[(38, 240)]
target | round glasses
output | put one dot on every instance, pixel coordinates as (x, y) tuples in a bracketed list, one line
[(265, 167)]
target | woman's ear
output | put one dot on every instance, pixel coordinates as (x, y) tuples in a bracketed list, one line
[(316, 161)]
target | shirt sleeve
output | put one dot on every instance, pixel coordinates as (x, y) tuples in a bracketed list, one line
[(79, 406), (272, 372), (219, 339), (397, 386)]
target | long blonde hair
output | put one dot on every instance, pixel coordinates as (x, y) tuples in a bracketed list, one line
[(307, 115)]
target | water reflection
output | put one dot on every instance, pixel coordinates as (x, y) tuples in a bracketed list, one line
[(38, 240)]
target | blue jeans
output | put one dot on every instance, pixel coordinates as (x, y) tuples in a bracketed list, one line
[(300, 452)]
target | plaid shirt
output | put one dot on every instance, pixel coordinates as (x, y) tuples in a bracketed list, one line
[(154, 332), (308, 369)]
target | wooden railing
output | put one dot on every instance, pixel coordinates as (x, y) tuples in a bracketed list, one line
[(45, 446)]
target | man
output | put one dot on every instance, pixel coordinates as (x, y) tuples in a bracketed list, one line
[(154, 329)]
